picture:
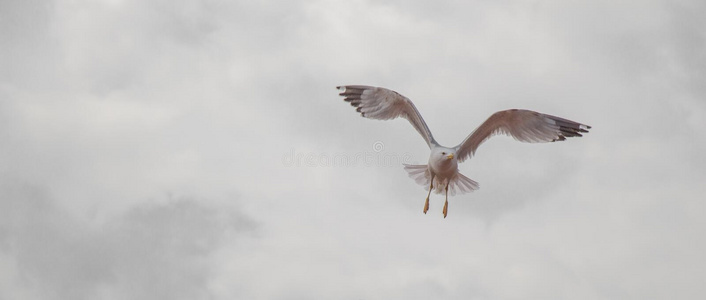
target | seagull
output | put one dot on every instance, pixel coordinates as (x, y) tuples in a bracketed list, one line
[(441, 173)]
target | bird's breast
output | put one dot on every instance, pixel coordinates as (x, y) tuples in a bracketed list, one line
[(444, 168)]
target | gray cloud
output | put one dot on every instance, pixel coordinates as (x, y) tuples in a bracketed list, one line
[(151, 251), (106, 106)]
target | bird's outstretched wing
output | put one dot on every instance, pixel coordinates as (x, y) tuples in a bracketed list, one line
[(523, 125), (383, 104)]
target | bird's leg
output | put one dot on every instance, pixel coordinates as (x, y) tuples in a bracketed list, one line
[(426, 203), (446, 204)]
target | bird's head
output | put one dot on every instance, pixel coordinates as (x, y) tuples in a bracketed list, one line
[(445, 155)]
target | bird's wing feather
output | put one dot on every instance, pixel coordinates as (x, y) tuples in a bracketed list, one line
[(383, 104), (523, 125)]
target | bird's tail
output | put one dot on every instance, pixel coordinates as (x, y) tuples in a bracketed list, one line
[(459, 184), (420, 174)]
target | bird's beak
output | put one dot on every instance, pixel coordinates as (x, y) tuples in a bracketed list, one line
[(450, 156)]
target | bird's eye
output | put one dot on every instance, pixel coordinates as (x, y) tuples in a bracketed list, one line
[(443, 153)]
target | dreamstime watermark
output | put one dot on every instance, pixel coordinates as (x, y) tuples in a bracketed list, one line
[(377, 157)]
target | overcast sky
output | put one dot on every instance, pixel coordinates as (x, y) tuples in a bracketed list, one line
[(198, 150)]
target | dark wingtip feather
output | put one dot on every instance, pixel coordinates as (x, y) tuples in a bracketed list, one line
[(570, 131)]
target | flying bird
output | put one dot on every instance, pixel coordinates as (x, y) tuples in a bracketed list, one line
[(441, 173)]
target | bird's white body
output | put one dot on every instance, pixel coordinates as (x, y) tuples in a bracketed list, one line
[(441, 173)]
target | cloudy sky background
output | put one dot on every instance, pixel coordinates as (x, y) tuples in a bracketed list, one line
[(198, 150)]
